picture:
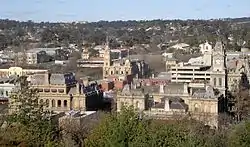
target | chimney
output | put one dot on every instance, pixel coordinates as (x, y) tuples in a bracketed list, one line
[(47, 78), (134, 86), (78, 88), (167, 107), (185, 91), (161, 89)]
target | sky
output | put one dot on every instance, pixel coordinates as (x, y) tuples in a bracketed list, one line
[(95, 10)]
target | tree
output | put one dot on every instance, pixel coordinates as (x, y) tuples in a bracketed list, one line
[(239, 135), (123, 129), (28, 122), (127, 128), (241, 99)]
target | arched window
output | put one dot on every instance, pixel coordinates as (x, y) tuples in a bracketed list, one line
[(196, 107), (215, 82), (7, 93), (122, 104), (2, 93), (208, 109), (47, 103), (65, 103), (137, 105), (59, 103), (220, 81), (53, 103), (41, 101)]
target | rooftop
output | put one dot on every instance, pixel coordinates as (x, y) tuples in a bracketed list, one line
[(10, 80)]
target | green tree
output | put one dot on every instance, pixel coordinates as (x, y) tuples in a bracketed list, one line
[(240, 135), (123, 129), (28, 122)]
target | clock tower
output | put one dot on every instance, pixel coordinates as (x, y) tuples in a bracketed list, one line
[(107, 60), (218, 70)]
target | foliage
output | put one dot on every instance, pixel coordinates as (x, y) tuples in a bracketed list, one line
[(126, 33), (240, 99), (240, 135), (127, 129), (28, 122)]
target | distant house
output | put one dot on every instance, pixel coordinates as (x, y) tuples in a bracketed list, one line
[(205, 47), (99, 47), (181, 46), (167, 55), (37, 55)]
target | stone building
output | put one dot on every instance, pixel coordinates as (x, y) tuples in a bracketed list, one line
[(123, 66), (7, 85), (18, 71), (60, 92), (132, 96), (167, 101)]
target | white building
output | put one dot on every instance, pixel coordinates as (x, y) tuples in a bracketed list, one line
[(181, 46), (205, 47), (7, 85), (207, 69)]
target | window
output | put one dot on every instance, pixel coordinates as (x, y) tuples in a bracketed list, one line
[(54, 90), (122, 104), (59, 103), (196, 108), (7, 93), (111, 72), (1, 92), (46, 90), (137, 105), (60, 90), (53, 103), (214, 81), (41, 101), (106, 72), (65, 103), (220, 81), (122, 72), (117, 72), (47, 103)]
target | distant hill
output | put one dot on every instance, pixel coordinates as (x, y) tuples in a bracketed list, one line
[(125, 33)]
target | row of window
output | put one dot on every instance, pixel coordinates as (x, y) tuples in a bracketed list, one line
[(6, 93), (205, 108), (220, 82), (126, 104), (51, 90), (116, 72), (53, 103)]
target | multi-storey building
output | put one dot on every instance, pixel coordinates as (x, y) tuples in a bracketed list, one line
[(210, 68), (137, 68), (166, 101), (201, 84), (189, 73), (61, 92), (7, 85), (18, 71)]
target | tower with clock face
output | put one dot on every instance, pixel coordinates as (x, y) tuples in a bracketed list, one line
[(218, 63), (107, 60), (218, 70)]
